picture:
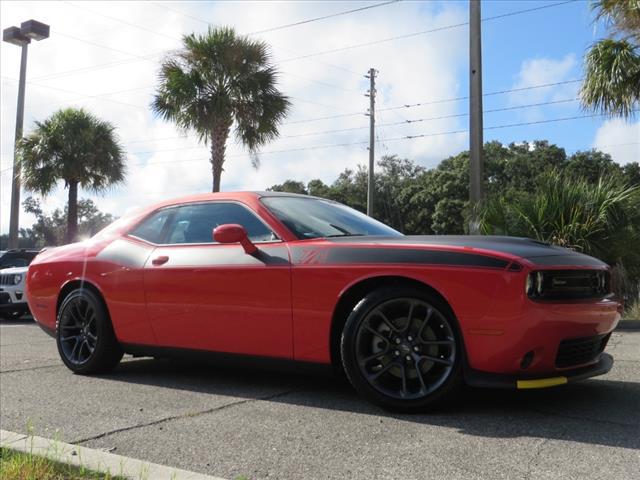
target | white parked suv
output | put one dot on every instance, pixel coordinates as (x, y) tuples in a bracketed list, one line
[(13, 272)]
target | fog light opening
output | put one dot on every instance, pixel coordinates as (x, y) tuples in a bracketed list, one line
[(526, 360)]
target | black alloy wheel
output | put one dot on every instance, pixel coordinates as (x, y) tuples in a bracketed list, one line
[(401, 348), (85, 337)]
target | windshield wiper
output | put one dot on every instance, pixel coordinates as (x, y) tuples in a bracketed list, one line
[(344, 232), (345, 235)]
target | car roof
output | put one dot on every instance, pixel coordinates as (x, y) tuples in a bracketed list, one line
[(238, 196)]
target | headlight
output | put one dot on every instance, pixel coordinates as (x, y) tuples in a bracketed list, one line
[(539, 282), (17, 278), (534, 284), (529, 285)]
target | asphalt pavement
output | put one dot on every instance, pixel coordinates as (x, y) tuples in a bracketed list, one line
[(233, 422)]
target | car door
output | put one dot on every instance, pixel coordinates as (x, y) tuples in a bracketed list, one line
[(210, 296)]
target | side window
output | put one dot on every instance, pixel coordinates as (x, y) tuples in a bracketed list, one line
[(195, 223), (152, 228)]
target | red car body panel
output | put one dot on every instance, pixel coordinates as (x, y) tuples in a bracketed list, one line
[(281, 301)]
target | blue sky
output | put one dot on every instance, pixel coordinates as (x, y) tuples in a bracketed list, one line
[(561, 32), (104, 57)]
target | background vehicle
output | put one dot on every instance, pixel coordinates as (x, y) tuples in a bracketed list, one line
[(292, 277), (13, 273), (19, 257)]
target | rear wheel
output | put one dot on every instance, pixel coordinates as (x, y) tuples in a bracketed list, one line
[(401, 348), (85, 337)]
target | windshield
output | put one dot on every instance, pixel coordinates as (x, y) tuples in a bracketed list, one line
[(119, 223), (314, 218)]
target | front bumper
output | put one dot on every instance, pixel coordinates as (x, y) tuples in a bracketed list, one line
[(13, 299), (475, 378), (545, 331), (14, 307)]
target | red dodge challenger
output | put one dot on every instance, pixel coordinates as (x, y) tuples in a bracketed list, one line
[(297, 278)]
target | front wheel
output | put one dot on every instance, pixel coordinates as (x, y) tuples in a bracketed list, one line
[(85, 337), (401, 349)]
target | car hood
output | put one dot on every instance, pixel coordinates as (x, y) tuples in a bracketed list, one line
[(536, 252)]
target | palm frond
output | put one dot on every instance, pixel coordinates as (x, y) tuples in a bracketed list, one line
[(612, 78), (220, 78), (73, 146), (564, 210)]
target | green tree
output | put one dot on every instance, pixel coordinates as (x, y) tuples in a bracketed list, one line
[(74, 146), (612, 65), (566, 211), (318, 188), (219, 78), (289, 186), (50, 229), (593, 165)]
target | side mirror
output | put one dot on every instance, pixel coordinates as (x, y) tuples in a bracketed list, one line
[(234, 233)]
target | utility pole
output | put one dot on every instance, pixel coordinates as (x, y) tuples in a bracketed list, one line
[(372, 137), (475, 108), (29, 30)]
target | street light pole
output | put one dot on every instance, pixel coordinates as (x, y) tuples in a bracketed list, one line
[(15, 179), (29, 30)]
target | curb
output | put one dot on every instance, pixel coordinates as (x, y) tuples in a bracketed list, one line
[(628, 325), (95, 459)]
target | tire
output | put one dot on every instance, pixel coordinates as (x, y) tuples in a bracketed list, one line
[(84, 334), (401, 349)]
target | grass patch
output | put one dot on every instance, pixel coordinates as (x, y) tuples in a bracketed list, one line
[(25, 466)]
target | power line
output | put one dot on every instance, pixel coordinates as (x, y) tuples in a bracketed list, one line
[(423, 32), (390, 124), (499, 92), (319, 82), (100, 66), (99, 45), (99, 97), (329, 117), (442, 117), (144, 57), (199, 159), (124, 22), (397, 107), (310, 20), (141, 27), (103, 95), (406, 137)]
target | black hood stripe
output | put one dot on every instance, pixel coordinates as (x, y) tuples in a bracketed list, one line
[(372, 255)]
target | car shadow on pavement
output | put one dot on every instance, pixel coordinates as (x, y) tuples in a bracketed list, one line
[(597, 411)]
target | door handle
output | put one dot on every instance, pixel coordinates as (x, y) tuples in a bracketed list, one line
[(161, 260)]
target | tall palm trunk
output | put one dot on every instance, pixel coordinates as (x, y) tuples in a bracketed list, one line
[(72, 213), (219, 135)]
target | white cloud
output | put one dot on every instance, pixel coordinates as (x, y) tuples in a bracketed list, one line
[(544, 71), (65, 71), (619, 139)]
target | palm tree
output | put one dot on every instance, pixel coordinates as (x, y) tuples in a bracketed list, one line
[(217, 79), (571, 212), (77, 147), (612, 66)]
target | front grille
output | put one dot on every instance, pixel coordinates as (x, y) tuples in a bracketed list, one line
[(578, 351), (6, 279), (573, 284), (4, 298)]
